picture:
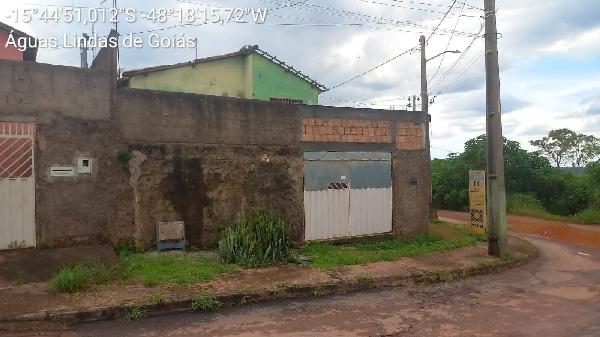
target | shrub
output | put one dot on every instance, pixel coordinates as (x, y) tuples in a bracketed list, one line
[(258, 239), (206, 303), (518, 203), (70, 279), (136, 312), (588, 216)]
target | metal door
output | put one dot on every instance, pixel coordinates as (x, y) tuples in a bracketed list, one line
[(326, 199), (17, 185), (347, 194)]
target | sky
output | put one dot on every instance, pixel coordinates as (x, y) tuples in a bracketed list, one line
[(549, 53)]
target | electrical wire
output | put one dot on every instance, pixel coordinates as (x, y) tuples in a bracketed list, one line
[(458, 60), (361, 16), (441, 21), (448, 44), (415, 8), (371, 69)]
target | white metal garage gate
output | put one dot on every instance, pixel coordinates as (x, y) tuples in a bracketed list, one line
[(17, 185), (347, 194)]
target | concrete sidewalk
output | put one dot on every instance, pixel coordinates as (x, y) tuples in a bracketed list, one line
[(35, 302), (38, 265)]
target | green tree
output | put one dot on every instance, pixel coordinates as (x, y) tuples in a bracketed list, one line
[(558, 145), (523, 170), (585, 149)]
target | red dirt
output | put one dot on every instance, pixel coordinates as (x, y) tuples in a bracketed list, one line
[(588, 235)]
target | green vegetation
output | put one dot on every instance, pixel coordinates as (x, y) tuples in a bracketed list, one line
[(136, 312), (365, 279), (534, 188), (443, 237), (124, 156), (318, 291), (256, 240), (175, 267), (206, 303), (70, 279)]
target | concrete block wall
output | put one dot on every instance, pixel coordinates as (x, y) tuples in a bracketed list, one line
[(200, 159)]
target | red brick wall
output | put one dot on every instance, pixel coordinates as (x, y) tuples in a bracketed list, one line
[(346, 130), (410, 136)]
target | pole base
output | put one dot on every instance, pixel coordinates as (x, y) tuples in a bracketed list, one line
[(494, 247)]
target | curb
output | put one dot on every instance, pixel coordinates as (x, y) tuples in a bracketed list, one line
[(294, 292)]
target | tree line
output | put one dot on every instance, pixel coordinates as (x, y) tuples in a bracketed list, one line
[(531, 181)]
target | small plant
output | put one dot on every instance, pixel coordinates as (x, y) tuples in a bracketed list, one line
[(124, 156), (246, 299), (70, 279), (206, 303), (136, 312), (101, 273), (365, 279), (154, 300), (256, 240), (18, 280), (282, 289), (318, 291)]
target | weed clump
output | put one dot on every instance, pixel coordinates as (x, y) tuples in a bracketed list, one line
[(70, 279), (256, 240)]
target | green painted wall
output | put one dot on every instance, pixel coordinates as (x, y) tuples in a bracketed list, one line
[(271, 80), (252, 76), (223, 77)]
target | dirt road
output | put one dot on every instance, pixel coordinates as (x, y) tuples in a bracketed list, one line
[(555, 295), (588, 235)]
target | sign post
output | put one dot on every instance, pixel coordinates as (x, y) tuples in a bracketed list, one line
[(477, 201)]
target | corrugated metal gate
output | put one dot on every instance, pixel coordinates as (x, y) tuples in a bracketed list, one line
[(17, 185), (347, 194)]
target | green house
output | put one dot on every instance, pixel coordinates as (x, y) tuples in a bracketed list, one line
[(248, 73)]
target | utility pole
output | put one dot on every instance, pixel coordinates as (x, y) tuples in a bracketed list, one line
[(84, 51), (414, 102), (424, 98), (497, 243)]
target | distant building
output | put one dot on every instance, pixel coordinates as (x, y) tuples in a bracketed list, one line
[(248, 73), (11, 52)]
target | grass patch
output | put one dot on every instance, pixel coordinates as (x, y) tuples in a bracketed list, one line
[(136, 312), (259, 239), (206, 303), (443, 237), (70, 279), (365, 279), (318, 291), (528, 205), (174, 267), (587, 216)]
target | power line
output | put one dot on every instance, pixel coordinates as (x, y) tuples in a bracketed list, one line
[(372, 69), (448, 44), (470, 65), (438, 5), (415, 8), (442, 20), (460, 58), (361, 16)]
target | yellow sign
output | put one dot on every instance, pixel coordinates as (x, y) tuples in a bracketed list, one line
[(477, 202)]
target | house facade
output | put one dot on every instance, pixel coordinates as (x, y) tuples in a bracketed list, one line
[(248, 73), (9, 51), (83, 161)]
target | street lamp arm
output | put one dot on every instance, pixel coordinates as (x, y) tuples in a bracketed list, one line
[(444, 52)]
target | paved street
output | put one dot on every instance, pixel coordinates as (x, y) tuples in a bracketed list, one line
[(556, 295)]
